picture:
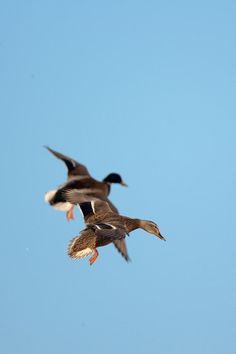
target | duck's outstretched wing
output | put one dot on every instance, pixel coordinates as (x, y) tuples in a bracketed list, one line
[(95, 235), (76, 196), (88, 204), (112, 231), (74, 167), (91, 207), (120, 245)]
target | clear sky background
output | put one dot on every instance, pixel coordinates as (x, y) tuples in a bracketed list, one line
[(145, 89)]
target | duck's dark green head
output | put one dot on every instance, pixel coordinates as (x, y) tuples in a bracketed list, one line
[(114, 178)]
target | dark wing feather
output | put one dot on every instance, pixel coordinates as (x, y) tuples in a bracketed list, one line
[(74, 196), (112, 234), (121, 247), (95, 205), (73, 166), (107, 233)]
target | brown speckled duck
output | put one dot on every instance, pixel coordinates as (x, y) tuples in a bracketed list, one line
[(103, 226), (81, 181)]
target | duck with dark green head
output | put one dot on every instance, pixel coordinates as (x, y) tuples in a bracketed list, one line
[(80, 180)]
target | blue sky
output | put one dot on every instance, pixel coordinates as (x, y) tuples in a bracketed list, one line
[(145, 89)]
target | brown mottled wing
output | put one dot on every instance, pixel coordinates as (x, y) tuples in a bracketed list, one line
[(120, 245), (108, 232), (85, 241), (114, 232), (74, 167)]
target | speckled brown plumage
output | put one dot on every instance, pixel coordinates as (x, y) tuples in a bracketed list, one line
[(86, 187), (103, 227)]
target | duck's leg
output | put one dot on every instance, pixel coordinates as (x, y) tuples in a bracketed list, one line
[(69, 214), (94, 257)]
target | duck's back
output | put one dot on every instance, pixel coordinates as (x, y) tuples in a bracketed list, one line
[(87, 185)]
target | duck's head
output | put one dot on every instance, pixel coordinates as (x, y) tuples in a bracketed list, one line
[(152, 228), (114, 178)]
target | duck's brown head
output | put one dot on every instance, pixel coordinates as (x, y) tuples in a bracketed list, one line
[(114, 178), (152, 228)]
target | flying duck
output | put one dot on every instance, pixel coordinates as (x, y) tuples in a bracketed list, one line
[(103, 226), (83, 183)]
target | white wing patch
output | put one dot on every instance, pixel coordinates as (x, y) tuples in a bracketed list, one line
[(101, 226), (92, 204), (98, 227), (73, 163), (112, 226)]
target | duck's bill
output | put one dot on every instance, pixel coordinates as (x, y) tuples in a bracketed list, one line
[(160, 236), (123, 184)]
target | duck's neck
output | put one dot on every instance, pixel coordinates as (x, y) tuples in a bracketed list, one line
[(133, 224), (143, 224), (108, 187)]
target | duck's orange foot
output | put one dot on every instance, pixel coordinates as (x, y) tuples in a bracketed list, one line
[(94, 257), (70, 215)]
